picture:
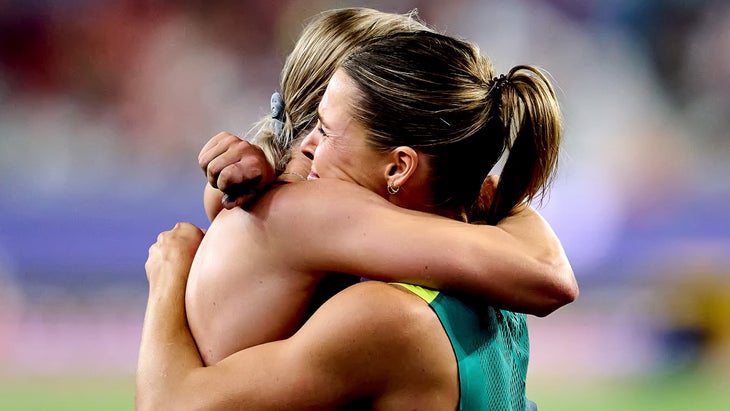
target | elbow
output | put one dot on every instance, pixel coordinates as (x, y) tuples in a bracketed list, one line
[(156, 403), (567, 285), (567, 290), (144, 402), (154, 397), (147, 399), (562, 291)]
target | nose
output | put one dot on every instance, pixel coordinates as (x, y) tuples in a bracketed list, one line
[(309, 144)]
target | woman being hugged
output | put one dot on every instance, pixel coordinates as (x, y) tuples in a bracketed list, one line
[(433, 112), (461, 118)]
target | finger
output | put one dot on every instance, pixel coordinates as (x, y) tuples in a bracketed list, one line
[(151, 249), (160, 236), (209, 151), (244, 175), (216, 146), (184, 228), (221, 139), (230, 202), (224, 168), (246, 188), (241, 161)]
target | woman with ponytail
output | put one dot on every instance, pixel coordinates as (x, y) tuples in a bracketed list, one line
[(461, 121)]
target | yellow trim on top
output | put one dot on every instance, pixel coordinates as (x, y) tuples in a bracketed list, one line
[(427, 294)]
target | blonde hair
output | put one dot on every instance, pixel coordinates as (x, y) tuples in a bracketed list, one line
[(324, 43), (439, 95)]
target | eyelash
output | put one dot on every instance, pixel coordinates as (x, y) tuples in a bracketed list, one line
[(321, 130)]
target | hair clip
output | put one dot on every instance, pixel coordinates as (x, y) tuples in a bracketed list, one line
[(277, 113)]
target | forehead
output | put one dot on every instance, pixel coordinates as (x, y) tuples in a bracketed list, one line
[(337, 97)]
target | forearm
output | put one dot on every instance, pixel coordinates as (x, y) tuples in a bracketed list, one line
[(212, 201), (554, 283), (168, 354), (518, 265), (534, 235)]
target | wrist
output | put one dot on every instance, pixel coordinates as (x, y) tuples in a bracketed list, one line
[(166, 298), (167, 283)]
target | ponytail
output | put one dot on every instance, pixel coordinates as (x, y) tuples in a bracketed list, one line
[(528, 110)]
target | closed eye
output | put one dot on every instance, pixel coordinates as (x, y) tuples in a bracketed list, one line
[(320, 128), (320, 124)]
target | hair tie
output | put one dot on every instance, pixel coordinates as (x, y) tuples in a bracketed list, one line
[(277, 113), (498, 83)]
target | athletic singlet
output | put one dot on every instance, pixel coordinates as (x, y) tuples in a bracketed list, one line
[(492, 350)]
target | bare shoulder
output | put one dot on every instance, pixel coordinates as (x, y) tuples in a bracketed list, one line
[(392, 343), (313, 220), (321, 193), (382, 305), (370, 311)]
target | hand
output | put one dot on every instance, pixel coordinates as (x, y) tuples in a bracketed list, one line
[(486, 193), (486, 196), (173, 253), (236, 167), (480, 210)]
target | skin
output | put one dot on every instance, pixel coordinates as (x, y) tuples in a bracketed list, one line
[(368, 343), (231, 165)]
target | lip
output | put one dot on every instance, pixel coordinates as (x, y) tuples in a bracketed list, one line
[(312, 175)]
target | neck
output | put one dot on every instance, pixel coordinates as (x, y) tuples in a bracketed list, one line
[(290, 177), (296, 171), (426, 206), (459, 215)]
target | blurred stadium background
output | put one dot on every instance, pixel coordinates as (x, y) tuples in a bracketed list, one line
[(105, 104)]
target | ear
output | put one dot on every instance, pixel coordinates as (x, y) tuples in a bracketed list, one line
[(402, 166)]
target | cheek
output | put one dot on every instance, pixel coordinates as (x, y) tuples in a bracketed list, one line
[(327, 156), (369, 168)]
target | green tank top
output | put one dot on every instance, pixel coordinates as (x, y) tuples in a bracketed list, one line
[(492, 351)]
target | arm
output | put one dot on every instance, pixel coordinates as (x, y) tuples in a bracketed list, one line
[(358, 345), (534, 236), (167, 345), (518, 265)]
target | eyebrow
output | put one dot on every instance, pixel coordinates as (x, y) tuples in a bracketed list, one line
[(319, 117)]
